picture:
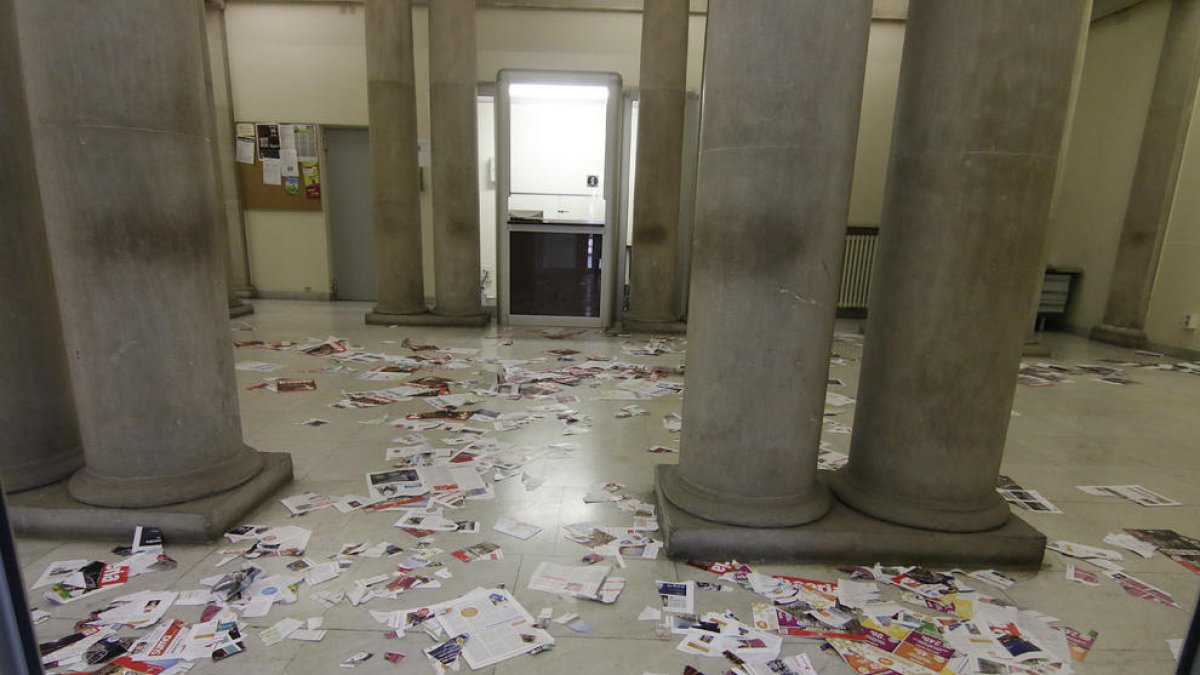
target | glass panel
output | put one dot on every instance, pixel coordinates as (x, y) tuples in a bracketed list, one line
[(557, 139), (555, 273)]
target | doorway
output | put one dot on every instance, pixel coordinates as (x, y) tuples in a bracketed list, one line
[(351, 233), (557, 196)]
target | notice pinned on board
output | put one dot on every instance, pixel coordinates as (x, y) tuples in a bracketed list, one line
[(312, 179), (287, 137), (306, 142), (272, 171), (244, 143), (245, 150), (268, 142), (289, 167)]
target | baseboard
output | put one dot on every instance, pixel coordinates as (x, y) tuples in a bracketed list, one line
[(1073, 329), (1171, 350), (294, 295), (1185, 353)]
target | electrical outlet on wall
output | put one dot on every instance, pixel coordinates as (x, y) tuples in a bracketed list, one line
[(1190, 321)]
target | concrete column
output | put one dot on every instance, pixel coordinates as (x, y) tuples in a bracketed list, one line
[(984, 87), (40, 442), (1154, 180), (125, 171), (1032, 344), (661, 90), (782, 92), (452, 104), (231, 219), (395, 187)]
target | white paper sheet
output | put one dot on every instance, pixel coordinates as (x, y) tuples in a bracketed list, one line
[(244, 150), (516, 528), (272, 169), (568, 580)]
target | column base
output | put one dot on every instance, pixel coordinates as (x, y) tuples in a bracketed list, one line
[(926, 516), (630, 325), (426, 319), (142, 492), (1035, 348), (52, 512), (846, 536), (1134, 338), (719, 508), (473, 320), (240, 309), (49, 467)]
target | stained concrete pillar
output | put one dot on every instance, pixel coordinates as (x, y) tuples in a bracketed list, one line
[(1032, 344), (983, 94), (231, 219), (125, 172), (452, 107), (395, 186), (661, 92), (782, 92), (1154, 180), (40, 441)]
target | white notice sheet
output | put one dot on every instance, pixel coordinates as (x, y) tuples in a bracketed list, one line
[(567, 580)]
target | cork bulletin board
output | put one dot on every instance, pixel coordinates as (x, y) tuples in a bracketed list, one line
[(278, 166)]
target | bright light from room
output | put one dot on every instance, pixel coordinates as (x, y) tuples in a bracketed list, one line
[(558, 92)]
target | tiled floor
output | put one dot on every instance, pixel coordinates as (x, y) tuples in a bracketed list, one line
[(1083, 432)]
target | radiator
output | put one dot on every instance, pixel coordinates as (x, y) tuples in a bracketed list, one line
[(856, 269)]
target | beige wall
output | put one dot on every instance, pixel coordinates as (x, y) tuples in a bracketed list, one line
[(306, 63), (1106, 131), (288, 252), (1177, 284), (294, 64), (875, 123), (563, 40)]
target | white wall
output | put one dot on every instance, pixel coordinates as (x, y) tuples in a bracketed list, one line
[(288, 252), (294, 64), (301, 62), (486, 122), (1106, 132)]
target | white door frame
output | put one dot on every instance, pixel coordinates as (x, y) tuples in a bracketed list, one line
[(612, 191)]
